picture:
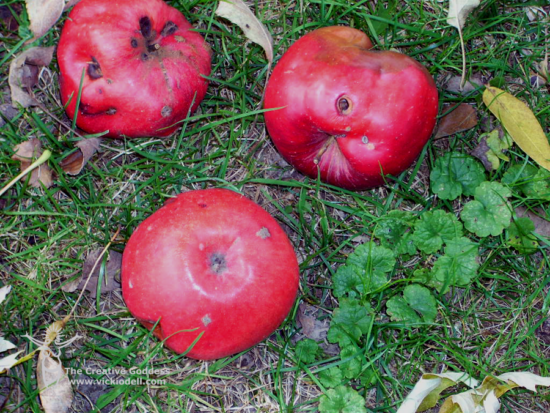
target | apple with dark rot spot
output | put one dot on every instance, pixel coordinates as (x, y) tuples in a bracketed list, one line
[(210, 266), (346, 113), (141, 66)]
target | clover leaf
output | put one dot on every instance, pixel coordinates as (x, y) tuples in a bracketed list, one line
[(456, 174), (520, 236), (417, 304), (349, 322), (489, 213), (365, 270), (394, 231), (342, 399), (435, 228)]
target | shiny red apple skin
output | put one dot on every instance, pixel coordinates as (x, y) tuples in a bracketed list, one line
[(348, 112), (211, 262), (143, 67)]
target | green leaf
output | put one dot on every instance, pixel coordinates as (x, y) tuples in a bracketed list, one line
[(417, 304), (531, 181), (349, 322), (342, 399), (456, 174), (306, 350), (489, 213), (458, 266), (394, 230), (351, 368), (520, 236), (435, 228), (365, 271), (331, 377)]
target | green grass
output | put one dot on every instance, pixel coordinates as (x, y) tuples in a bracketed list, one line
[(490, 327)]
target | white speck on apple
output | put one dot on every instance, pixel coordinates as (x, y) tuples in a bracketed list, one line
[(201, 246), (206, 320), (130, 284), (263, 233)]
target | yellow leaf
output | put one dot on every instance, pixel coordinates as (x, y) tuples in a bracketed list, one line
[(238, 13), (520, 123)]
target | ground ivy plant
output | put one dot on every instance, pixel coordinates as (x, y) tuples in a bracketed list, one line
[(445, 247)]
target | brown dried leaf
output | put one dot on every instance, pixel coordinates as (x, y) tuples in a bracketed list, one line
[(311, 327), (453, 85), (24, 71), (56, 393), (462, 117), (74, 163), (111, 277), (43, 14), (542, 226), (26, 153)]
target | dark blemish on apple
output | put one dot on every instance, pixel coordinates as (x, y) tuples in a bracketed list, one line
[(110, 111), (365, 139), (144, 57), (145, 26), (94, 69), (134, 43), (203, 205), (344, 105), (169, 29), (206, 320), (166, 111), (153, 47), (100, 91), (217, 263), (263, 233)]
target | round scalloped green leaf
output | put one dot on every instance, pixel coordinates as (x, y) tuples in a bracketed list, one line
[(342, 399), (435, 228), (349, 322), (489, 213), (456, 174), (520, 236), (306, 350), (331, 377)]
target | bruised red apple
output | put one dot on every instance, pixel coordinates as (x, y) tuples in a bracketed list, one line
[(349, 114), (213, 267), (141, 64)]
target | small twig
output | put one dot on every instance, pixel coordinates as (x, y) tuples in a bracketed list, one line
[(42, 159), (463, 78), (97, 261)]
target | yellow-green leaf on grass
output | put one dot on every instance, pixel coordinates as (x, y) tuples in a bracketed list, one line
[(520, 123), (240, 14)]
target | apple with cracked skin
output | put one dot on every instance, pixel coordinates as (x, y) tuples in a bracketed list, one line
[(213, 271), (138, 65), (347, 114)]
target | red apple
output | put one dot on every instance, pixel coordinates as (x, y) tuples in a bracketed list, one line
[(349, 114), (143, 67), (210, 265)]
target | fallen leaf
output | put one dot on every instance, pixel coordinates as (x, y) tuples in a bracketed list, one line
[(459, 11), (26, 153), (9, 361), (110, 277), (463, 117), (311, 327), (43, 14), (427, 390), (542, 226), (4, 291), (491, 147), (453, 85), (24, 71), (240, 14), (520, 122), (7, 19), (56, 393), (74, 163), (6, 345)]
